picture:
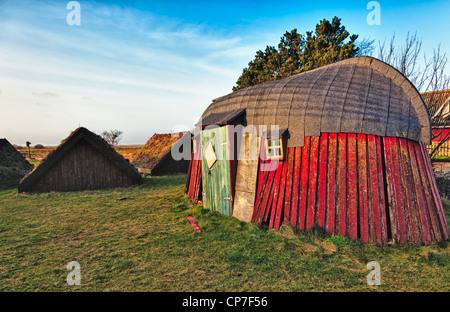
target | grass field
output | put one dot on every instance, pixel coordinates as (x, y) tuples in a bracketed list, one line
[(138, 239)]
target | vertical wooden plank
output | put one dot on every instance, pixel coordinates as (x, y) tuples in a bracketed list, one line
[(304, 172), (290, 169), (362, 188), (437, 199), (381, 188), (408, 187), (431, 209), (395, 199), (342, 185), (267, 192), (352, 187), (331, 189), (266, 167), (295, 186), (188, 178), (423, 214), (262, 180), (322, 180), (276, 190), (313, 171), (279, 211), (392, 187), (374, 195)]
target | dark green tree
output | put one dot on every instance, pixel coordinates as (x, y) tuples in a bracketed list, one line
[(329, 43)]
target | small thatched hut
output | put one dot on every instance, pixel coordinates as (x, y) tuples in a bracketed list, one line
[(84, 161), (13, 166), (350, 156), (155, 157)]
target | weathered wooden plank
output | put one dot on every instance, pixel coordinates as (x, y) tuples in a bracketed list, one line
[(267, 192), (437, 200), (246, 178), (396, 201), (331, 189), (362, 188), (276, 189), (381, 184), (313, 171), (423, 214), (408, 187), (352, 187), (429, 201), (374, 198), (295, 186), (279, 211), (188, 179), (304, 172), (290, 169), (322, 180), (263, 175), (342, 185)]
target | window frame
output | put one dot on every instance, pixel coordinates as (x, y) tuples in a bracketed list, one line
[(280, 147)]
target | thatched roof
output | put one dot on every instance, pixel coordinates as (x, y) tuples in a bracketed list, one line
[(357, 95), (438, 104), (93, 140), (12, 164), (157, 148)]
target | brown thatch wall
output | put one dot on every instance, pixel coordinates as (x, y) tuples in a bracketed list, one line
[(13, 166)]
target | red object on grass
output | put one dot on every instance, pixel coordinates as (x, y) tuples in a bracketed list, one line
[(194, 224)]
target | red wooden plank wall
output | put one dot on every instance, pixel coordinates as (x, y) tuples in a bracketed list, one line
[(365, 187), (194, 177)]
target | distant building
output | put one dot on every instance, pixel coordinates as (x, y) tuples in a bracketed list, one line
[(84, 161), (13, 166), (438, 104), (155, 158)]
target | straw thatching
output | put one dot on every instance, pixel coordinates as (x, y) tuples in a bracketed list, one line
[(357, 95), (13, 166), (155, 157)]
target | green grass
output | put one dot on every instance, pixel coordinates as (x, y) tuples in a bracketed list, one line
[(138, 239)]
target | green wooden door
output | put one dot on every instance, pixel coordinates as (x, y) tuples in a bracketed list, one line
[(216, 182)]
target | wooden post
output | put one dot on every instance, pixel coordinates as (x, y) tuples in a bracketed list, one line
[(29, 153)]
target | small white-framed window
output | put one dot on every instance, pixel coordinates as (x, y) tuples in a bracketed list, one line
[(274, 148)]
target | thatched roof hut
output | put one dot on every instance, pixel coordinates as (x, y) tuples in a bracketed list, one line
[(83, 161), (155, 157), (13, 166), (352, 156)]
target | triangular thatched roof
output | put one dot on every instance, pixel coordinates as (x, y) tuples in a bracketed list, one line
[(157, 149), (12, 164), (94, 141)]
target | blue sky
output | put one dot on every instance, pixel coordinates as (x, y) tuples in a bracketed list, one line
[(154, 66)]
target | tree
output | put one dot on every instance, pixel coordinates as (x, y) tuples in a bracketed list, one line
[(113, 137), (297, 53)]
